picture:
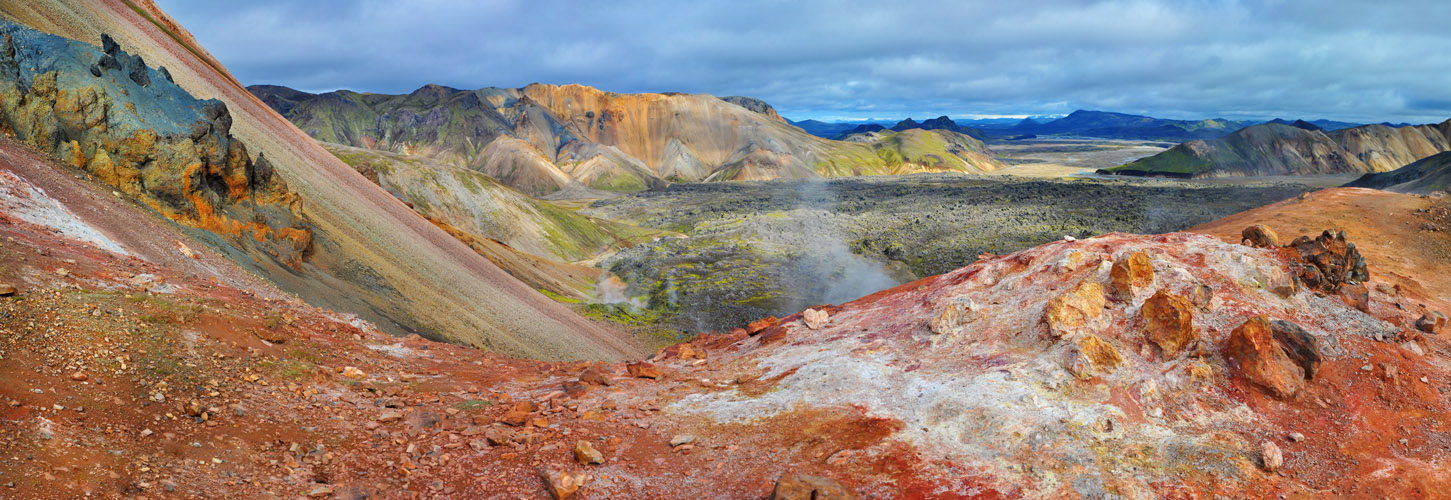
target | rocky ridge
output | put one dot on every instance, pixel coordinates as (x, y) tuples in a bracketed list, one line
[(1285, 149), (106, 112)]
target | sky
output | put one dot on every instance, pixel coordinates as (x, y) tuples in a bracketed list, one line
[(1355, 60)]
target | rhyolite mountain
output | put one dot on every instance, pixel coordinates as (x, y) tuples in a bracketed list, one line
[(1424, 176), (1280, 149), (542, 138), (1109, 125), (183, 134)]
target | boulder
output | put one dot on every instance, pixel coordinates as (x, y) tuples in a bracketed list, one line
[(1201, 296), (1259, 236), (1134, 272), (1298, 345), (1169, 322), (1279, 360), (1072, 310), (792, 486)]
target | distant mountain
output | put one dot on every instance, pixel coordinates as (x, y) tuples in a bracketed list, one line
[(542, 138), (826, 130), (1427, 175), (1107, 125), (939, 123), (923, 149), (1322, 124), (1280, 149)]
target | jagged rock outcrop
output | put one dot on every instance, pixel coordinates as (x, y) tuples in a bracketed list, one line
[(130, 126), (1286, 149), (541, 138)]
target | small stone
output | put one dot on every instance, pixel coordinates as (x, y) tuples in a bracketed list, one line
[(7, 290), (320, 491), (390, 416), (1296, 437), (815, 319), (478, 445), (562, 483), (353, 372), (1201, 296), (792, 486), (680, 439), (146, 432), (1271, 457), (586, 454), (79, 377)]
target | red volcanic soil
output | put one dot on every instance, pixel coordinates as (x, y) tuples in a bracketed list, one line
[(122, 376)]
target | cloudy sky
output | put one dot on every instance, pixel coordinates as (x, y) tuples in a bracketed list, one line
[(1352, 60)]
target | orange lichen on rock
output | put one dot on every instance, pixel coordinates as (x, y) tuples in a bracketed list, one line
[(1074, 309)]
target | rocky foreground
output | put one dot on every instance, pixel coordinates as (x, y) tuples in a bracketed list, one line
[(1177, 366)]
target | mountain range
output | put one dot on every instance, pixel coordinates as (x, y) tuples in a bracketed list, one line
[(1296, 149), (543, 138)]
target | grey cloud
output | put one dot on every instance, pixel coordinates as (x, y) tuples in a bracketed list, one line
[(1353, 60)]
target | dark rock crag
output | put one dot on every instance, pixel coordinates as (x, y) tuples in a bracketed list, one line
[(133, 128)]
